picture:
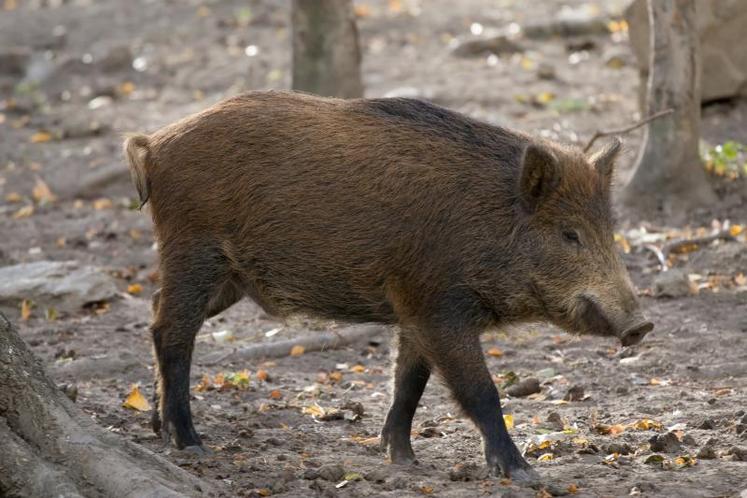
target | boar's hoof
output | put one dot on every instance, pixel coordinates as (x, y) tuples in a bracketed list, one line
[(197, 450), (399, 452), (635, 334), (525, 476)]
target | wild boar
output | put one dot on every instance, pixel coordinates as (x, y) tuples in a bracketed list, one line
[(379, 210)]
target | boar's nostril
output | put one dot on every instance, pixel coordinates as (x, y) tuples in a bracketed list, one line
[(634, 334)]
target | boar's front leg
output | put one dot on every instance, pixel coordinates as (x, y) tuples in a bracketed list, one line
[(411, 375), (456, 353)]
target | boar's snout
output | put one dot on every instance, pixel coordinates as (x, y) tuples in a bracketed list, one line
[(635, 333), (630, 327)]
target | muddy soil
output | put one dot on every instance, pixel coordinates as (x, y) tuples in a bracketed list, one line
[(98, 69)]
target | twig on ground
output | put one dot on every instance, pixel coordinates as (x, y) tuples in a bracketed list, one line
[(620, 131), (676, 245), (659, 256), (310, 341)]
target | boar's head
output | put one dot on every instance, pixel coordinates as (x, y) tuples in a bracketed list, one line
[(575, 272)]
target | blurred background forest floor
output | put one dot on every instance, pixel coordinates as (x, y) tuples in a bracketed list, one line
[(664, 418)]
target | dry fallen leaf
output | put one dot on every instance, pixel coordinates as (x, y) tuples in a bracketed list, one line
[(358, 368), (41, 137), (42, 193), (426, 490), (545, 457), (275, 394), (297, 350), (24, 212), (134, 289), (102, 203), (495, 352), (509, 421), (647, 424), (572, 489), (611, 430), (13, 197), (135, 400), (25, 309), (262, 375), (735, 230)]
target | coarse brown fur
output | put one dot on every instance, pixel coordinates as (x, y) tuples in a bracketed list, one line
[(386, 210)]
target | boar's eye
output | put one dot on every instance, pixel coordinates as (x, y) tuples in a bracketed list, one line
[(571, 236)]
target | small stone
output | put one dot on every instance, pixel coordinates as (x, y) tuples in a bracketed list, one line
[(117, 59), (555, 421), (619, 448), (707, 424), (575, 393), (673, 283), (706, 453), (546, 71), (665, 443), (331, 472), (70, 390), (688, 440), (428, 432), (468, 472), (739, 454), (378, 474), (524, 387), (310, 474)]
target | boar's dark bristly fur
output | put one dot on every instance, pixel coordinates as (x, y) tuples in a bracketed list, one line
[(383, 210)]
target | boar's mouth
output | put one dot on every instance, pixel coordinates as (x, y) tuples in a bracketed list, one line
[(636, 333)]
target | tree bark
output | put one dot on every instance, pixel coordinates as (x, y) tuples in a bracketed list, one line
[(50, 448), (326, 54), (669, 179)]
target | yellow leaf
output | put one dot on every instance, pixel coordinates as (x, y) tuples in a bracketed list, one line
[(313, 410), (622, 242), (509, 421), (358, 368), (126, 88), (297, 350), (264, 491), (26, 309), (740, 279), (362, 10), (546, 457), (13, 197), (42, 193), (204, 384), (136, 401), (572, 489), (102, 203), (647, 424), (134, 289), (735, 230), (426, 490), (495, 352), (41, 137), (335, 376), (24, 212), (545, 97)]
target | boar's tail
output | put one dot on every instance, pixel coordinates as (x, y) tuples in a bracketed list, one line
[(136, 150)]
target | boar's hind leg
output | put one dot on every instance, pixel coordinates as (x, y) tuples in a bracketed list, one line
[(458, 357), (411, 374), (190, 281), (228, 295)]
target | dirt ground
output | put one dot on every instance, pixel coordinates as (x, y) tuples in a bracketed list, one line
[(102, 68)]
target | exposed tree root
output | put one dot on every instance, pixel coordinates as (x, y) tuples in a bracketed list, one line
[(314, 341), (51, 448)]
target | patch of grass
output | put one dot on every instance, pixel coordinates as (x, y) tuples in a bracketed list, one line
[(728, 159)]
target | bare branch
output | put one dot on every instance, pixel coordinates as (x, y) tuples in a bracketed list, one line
[(620, 131)]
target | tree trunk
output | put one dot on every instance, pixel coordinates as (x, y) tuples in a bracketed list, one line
[(669, 178), (326, 55), (50, 448)]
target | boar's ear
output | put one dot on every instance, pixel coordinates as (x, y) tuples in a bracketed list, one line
[(540, 175), (604, 159)]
